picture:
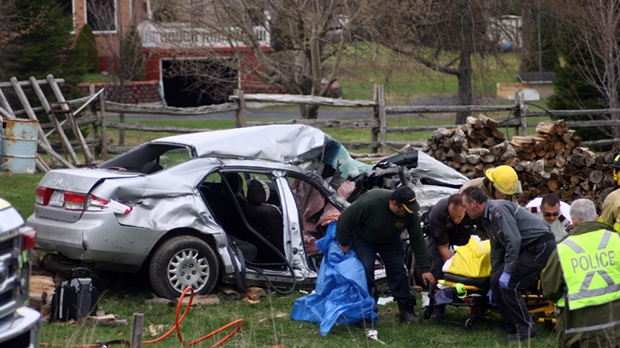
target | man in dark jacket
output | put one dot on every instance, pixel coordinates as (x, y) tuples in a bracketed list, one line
[(521, 243), (582, 278), (373, 224), (449, 226)]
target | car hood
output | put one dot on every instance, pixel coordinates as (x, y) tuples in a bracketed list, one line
[(280, 143)]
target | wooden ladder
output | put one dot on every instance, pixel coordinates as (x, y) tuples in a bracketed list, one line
[(64, 108)]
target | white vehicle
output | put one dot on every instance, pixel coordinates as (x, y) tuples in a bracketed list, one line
[(20, 326)]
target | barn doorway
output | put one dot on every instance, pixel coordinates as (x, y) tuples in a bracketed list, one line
[(197, 82)]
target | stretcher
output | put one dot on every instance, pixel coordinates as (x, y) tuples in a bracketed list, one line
[(472, 293)]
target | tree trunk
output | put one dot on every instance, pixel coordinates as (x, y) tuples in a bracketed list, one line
[(464, 76), (308, 112)]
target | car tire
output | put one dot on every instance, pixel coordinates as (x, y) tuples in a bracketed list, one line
[(181, 262)]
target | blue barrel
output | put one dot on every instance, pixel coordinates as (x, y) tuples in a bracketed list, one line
[(18, 145)]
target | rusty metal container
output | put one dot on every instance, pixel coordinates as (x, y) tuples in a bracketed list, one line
[(18, 145)]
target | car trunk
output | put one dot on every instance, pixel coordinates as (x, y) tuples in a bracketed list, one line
[(78, 181)]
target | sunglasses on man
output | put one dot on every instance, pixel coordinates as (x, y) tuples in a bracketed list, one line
[(557, 213)]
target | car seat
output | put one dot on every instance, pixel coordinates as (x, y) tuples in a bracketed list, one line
[(151, 167), (265, 218)]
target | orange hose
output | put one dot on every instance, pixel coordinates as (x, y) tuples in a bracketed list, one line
[(176, 327)]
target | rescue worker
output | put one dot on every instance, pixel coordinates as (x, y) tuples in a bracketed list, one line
[(610, 213), (498, 183), (582, 277), (521, 243), (449, 226), (373, 224), (555, 212)]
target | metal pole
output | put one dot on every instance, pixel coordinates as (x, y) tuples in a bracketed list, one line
[(539, 45)]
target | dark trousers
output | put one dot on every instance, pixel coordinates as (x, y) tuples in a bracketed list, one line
[(510, 301), (393, 259), (435, 258)]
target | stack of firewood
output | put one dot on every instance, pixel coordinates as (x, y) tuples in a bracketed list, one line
[(551, 161), (471, 148)]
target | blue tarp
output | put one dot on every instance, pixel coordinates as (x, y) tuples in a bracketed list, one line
[(341, 293)]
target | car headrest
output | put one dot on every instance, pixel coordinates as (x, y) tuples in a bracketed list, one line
[(151, 167), (258, 192), (235, 181)]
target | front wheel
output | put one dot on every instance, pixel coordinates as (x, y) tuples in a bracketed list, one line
[(181, 262)]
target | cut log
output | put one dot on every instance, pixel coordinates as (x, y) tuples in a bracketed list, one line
[(596, 176), (37, 299), (553, 185)]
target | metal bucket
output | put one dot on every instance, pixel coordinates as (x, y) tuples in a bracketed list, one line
[(18, 145)]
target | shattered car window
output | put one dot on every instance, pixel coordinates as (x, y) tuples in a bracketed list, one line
[(149, 158)]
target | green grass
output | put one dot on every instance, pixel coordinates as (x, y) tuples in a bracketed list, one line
[(406, 80), (268, 324), (19, 190)]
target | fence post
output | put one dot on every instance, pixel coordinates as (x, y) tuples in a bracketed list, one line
[(521, 110), (138, 328), (93, 110), (382, 119), (104, 131), (374, 132), (240, 112)]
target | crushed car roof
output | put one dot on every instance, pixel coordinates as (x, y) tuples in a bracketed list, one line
[(281, 143)]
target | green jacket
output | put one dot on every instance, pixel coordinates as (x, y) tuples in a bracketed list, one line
[(568, 325), (375, 223)]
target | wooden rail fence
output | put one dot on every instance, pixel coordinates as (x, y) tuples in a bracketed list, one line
[(376, 122)]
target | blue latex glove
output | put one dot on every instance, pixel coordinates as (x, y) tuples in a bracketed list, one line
[(490, 296), (503, 280)]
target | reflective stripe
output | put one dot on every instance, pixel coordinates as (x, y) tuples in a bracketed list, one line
[(592, 328), (576, 248), (591, 293), (604, 240)]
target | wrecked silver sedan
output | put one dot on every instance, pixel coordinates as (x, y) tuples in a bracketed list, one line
[(240, 206)]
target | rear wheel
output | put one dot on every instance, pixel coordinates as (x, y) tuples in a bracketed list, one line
[(181, 262)]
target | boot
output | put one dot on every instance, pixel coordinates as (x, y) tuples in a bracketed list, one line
[(406, 313)]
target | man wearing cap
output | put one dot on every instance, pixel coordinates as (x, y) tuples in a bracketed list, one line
[(373, 224), (501, 182), (521, 244)]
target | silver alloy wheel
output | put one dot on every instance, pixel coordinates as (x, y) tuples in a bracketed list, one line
[(188, 268)]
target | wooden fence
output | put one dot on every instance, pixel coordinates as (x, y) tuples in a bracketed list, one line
[(376, 122)]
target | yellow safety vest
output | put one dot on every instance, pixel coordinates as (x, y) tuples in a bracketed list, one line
[(592, 261)]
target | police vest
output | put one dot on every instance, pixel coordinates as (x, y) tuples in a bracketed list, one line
[(591, 266)]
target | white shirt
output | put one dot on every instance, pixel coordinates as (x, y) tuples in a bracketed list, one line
[(562, 225)]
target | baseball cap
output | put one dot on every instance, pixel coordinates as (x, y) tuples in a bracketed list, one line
[(405, 196)]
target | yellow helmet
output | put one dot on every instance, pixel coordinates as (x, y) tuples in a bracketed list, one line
[(504, 179), (616, 167)]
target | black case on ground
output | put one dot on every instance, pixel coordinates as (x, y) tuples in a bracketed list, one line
[(74, 298)]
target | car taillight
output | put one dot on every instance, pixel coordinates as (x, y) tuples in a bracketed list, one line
[(82, 201), (29, 240), (43, 195), (74, 200)]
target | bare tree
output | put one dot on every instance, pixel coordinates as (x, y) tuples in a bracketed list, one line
[(592, 28), (444, 36), (293, 46), (117, 43)]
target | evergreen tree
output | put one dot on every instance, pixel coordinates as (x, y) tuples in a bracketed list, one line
[(572, 92), (133, 56), (86, 41), (44, 49)]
